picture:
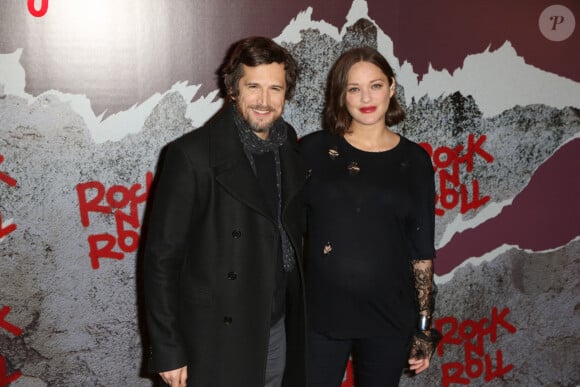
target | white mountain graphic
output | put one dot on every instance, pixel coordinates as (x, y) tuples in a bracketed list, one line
[(498, 80)]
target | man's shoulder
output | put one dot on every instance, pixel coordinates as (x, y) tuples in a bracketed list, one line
[(291, 132), (200, 136), (194, 144)]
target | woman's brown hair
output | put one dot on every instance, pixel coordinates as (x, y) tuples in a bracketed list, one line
[(336, 117)]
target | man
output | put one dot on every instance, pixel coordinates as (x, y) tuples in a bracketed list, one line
[(222, 270)]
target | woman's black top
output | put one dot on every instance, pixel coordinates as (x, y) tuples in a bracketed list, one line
[(369, 215)]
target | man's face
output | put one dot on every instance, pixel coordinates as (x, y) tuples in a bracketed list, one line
[(262, 96)]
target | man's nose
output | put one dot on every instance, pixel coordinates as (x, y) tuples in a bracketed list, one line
[(264, 97)]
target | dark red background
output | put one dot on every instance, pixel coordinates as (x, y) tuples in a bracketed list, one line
[(151, 59)]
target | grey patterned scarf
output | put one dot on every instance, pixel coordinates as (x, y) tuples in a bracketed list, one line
[(255, 145)]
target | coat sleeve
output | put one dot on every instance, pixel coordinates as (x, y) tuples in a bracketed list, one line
[(165, 250)]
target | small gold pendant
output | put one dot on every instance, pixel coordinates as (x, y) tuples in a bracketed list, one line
[(353, 168), (333, 152), (327, 248)]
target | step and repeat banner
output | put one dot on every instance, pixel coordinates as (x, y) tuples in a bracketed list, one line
[(91, 90)]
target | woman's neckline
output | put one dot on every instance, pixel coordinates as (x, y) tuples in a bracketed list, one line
[(379, 151)]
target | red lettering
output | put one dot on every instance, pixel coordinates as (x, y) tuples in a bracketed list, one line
[(137, 187), (40, 12), (4, 177), (496, 320), (499, 319), (490, 373), (6, 325), (86, 206), (438, 211), (11, 182), (453, 177), (452, 374), (6, 230), (106, 251), (475, 148), (443, 157), (451, 193), (5, 378), (468, 329), (473, 365), (472, 335), (448, 197), (91, 196), (123, 234), (123, 193), (348, 379), (447, 334), (475, 202)]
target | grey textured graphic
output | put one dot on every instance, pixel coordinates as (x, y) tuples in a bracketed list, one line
[(81, 326)]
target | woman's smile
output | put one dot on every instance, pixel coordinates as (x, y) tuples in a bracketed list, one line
[(368, 109)]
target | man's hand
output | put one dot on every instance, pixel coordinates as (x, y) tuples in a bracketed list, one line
[(175, 378)]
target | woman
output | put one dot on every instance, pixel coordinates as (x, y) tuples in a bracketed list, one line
[(370, 202)]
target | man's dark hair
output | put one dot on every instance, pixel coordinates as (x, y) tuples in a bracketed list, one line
[(255, 51)]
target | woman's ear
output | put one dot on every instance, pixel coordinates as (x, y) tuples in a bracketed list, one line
[(392, 87)]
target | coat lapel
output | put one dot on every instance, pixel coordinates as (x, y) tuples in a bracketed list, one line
[(293, 170), (231, 166)]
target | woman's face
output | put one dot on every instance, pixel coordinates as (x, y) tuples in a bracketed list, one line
[(368, 93)]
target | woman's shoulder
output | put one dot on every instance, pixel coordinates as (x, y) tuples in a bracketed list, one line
[(414, 151), (315, 140), (316, 137), (413, 147)]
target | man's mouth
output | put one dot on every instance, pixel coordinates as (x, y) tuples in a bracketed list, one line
[(262, 110)]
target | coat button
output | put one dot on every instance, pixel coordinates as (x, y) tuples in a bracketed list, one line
[(236, 234), (227, 320), (232, 275)]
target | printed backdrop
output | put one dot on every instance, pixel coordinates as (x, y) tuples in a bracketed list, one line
[(90, 91)]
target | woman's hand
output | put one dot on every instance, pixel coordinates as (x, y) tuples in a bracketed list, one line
[(422, 348), (418, 365)]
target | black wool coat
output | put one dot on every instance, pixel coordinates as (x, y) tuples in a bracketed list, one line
[(210, 261)]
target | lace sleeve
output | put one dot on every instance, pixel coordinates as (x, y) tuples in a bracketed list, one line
[(426, 338), (424, 286)]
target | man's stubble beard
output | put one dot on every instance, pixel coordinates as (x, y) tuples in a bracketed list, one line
[(256, 128)]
